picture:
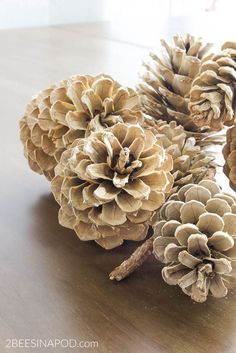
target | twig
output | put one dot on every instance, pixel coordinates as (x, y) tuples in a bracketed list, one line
[(142, 253), (139, 256)]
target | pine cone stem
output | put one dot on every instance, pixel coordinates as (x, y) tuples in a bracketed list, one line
[(139, 256), (142, 253)]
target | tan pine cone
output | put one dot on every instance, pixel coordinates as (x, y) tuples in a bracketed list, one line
[(229, 153), (72, 109), (196, 240), (110, 183), (190, 163), (212, 97), (168, 78)]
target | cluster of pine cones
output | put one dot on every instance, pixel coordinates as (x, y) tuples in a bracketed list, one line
[(113, 155)]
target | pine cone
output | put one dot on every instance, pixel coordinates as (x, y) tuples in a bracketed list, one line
[(191, 164), (196, 240), (167, 81), (110, 183), (72, 109), (229, 153), (212, 97)]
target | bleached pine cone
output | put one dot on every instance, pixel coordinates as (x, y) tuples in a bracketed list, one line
[(72, 109), (168, 78), (229, 153), (196, 240), (110, 183), (212, 97), (190, 163)]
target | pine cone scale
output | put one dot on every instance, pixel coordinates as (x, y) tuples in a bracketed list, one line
[(106, 188), (190, 163), (212, 96), (165, 90), (200, 249), (229, 153), (72, 109)]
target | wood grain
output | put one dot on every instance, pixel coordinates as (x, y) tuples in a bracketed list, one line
[(51, 284)]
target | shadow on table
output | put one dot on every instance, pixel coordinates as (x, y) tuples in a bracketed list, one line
[(140, 313)]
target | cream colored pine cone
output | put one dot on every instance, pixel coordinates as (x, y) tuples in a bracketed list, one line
[(168, 78), (229, 153), (110, 183), (196, 240), (190, 163), (72, 109), (212, 97)]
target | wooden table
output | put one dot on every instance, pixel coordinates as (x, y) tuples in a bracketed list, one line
[(51, 284)]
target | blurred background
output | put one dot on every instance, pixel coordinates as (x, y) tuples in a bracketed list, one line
[(115, 33), (139, 21), (43, 41)]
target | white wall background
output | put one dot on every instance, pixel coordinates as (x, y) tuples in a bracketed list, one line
[(29, 13)]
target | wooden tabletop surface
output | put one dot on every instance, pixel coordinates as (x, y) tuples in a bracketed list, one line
[(51, 284)]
